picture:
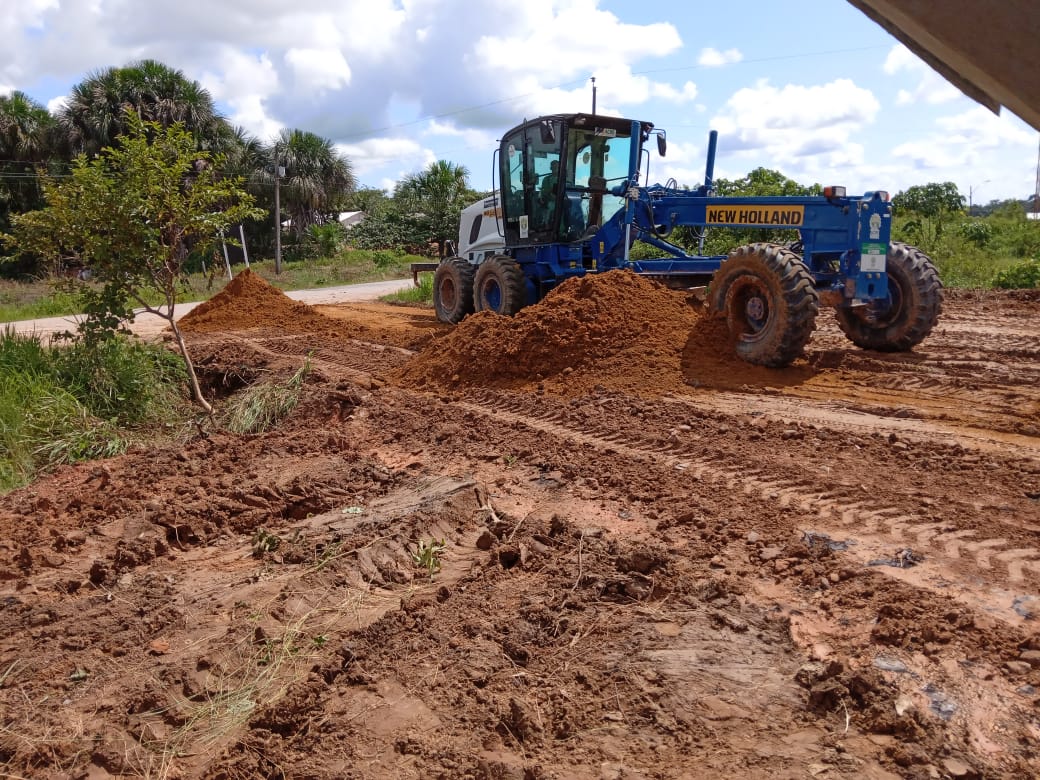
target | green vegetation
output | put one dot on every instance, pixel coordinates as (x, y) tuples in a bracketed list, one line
[(263, 405), (1019, 276), (35, 299), (427, 555), (63, 404), (971, 252), (131, 214), (415, 296)]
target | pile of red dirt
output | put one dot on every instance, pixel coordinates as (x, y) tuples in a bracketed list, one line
[(250, 302), (617, 329)]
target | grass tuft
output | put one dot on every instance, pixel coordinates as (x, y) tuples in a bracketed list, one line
[(263, 405), (414, 296)]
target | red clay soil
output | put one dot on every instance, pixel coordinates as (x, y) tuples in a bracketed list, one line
[(248, 301), (583, 543), (615, 330)]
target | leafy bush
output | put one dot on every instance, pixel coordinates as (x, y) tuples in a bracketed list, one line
[(386, 258), (325, 240), (1021, 276), (977, 232)]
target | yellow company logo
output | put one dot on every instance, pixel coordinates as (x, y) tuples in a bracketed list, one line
[(756, 215)]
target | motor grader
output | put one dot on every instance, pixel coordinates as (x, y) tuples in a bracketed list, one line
[(569, 202)]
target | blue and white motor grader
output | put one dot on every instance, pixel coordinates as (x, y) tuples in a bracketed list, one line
[(568, 202)]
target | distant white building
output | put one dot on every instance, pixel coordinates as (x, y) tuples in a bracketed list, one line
[(350, 218)]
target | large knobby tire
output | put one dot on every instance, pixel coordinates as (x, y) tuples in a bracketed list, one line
[(768, 298), (453, 289), (907, 316), (500, 286)]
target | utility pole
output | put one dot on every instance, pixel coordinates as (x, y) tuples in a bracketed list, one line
[(971, 196), (1036, 191), (279, 172)]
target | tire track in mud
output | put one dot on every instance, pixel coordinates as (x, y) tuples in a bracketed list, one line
[(855, 415), (359, 360), (838, 510)]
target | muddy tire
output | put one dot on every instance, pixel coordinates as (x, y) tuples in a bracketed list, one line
[(768, 298), (913, 306), (499, 286), (453, 289)]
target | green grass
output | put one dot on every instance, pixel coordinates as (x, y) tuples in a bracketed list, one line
[(414, 296), (969, 268), (33, 300), (36, 299), (63, 404)]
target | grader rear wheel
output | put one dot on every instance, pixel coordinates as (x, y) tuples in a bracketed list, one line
[(907, 316), (767, 296), (453, 289)]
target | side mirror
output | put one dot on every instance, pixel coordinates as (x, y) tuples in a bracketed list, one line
[(662, 144), (548, 131)]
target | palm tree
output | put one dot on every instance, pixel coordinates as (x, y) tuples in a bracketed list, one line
[(439, 193), (24, 128), (94, 114), (317, 178), (26, 142)]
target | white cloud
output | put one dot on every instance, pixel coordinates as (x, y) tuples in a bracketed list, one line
[(687, 94), (471, 138), (713, 58), (351, 70), (981, 128), (805, 131), (373, 154), (931, 88), (318, 69)]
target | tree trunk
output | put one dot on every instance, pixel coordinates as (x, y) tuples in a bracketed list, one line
[(193, 379)]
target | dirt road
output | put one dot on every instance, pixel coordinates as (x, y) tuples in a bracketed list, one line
[(657, 561)]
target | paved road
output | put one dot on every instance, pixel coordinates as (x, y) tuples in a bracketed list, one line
[(146, 324)]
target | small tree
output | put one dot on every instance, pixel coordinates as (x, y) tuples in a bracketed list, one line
[(925, 209), (131, 214)]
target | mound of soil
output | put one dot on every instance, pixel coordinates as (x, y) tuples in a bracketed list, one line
[(249, 301), (616, 330)]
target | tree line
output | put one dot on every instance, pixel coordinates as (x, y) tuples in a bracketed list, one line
[(316, 183), (971, 244)]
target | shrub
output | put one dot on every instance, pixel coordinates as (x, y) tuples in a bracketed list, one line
[(1020, 276), (68, 403)]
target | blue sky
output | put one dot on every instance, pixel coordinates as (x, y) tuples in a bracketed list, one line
[(812, 88)]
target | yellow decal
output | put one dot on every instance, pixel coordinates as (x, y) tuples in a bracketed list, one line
[(789, 216)]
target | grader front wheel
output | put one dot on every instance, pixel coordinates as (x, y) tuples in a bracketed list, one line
[(767, 296)]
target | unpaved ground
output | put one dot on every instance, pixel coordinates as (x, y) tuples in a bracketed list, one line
[(658, 562)]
